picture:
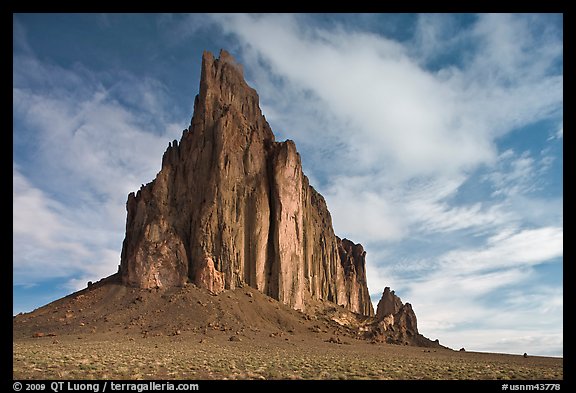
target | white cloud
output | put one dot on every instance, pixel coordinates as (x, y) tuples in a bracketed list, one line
[(514, 174), (392, 112), (90, 136), (532, 342), (558, 134), (52, 240), (363, 215), (459, 309), (35, 217), (502, 260), (488, 298), (429, 208), (40, 235), (523, 248), (434, 34), (515, 49), (87, 146), (378, 92), (538, 211)]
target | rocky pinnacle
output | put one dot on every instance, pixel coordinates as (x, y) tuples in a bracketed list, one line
[(231, 207)]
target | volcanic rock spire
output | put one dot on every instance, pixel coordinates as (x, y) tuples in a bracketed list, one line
[(231, 206), (396, 321)]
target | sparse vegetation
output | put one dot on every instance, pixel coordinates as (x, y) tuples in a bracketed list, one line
[(114, 332), (260, 357)]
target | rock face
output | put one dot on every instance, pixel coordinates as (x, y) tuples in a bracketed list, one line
[(231, 206), (396, 321), (389, 304), (353, 260)]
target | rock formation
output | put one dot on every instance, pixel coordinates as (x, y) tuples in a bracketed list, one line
[(353, 260), (231, 206), (396, 321), (389, 304)]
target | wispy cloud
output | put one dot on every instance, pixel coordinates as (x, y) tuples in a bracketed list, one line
[(490, 297), (87, 142), (557, 134), (504, 250), (515, 174), (36, 218)]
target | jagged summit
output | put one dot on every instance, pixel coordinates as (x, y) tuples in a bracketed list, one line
[(231, 206)]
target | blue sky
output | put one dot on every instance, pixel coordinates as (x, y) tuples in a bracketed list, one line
[(437, 141)]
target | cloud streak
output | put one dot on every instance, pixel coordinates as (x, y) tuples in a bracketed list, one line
[(504, 250)]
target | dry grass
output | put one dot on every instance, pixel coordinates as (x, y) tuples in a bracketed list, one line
[(192, 356)]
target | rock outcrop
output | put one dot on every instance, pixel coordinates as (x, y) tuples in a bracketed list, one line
[(395, 321), (353, 260), (231, 206), (389, 304)]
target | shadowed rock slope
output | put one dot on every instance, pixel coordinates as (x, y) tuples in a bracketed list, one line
[(110, 310)]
